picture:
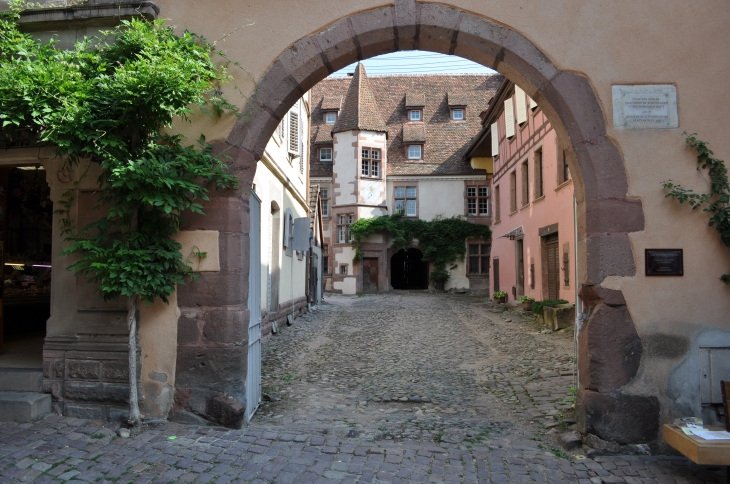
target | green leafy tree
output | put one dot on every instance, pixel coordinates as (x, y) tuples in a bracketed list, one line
[(442, 240), (717, 202), (110, 100)]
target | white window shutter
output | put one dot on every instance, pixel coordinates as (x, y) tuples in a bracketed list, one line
[(509, 118), (294, 132), (495, 139), (533, 104), (521, 101)]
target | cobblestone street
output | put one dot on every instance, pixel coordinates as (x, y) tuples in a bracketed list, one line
[(405, 387)]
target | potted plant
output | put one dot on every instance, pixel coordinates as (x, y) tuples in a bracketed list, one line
[(499, 297), (527, 303)]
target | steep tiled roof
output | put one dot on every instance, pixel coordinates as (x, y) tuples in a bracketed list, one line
[(415, 99), (446, 140), (330, 103), (457, 99), (322, 135), (360, 111), (414, 132)]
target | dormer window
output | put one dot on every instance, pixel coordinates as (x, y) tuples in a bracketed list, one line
[(457, 114), (415, 152), (414, 115), (325, 154), (330, 117)]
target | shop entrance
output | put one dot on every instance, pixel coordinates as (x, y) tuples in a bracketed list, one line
[(408, 270), (26, 217)]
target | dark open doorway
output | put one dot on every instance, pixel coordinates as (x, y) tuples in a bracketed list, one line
[(408, 270), (26, 214)]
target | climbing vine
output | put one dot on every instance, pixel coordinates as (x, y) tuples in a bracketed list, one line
[(442, 240), (717, 202), (111, 100)]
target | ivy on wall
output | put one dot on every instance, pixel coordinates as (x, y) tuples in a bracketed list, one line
[(441, 240), (111, 100), (717, 202)]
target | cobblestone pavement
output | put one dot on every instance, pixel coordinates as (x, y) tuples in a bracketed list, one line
[(396, 388)]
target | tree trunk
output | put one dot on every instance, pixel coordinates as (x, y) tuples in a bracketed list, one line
[(134, 415)]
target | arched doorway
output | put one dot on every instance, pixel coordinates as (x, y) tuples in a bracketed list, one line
[(571, 106), (408, 270)]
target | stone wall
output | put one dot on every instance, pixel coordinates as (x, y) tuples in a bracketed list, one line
[(269, 317)]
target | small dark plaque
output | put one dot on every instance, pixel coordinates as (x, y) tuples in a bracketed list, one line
[(664, 262)]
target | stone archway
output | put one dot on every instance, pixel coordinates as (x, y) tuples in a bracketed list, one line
[(609, 346)]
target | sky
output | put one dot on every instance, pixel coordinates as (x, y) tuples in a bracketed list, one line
[(416, 62)]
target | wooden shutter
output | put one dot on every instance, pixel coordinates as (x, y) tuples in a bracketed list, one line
[(294, 132), (495, 139), (495, 268), (553, 269), (521, 101), (509, 118)]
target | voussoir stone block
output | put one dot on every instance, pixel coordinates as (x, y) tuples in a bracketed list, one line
[(522, 61), (609, 349), (572, 98), (374, 32), (437, 27), (254, 128), (338, 45), (480, 40), (602, 168), (617, 417), (305, 63), (222, 214), (278, 90), (405, 18)]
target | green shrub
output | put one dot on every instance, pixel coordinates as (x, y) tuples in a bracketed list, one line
[(538, 305), (526, 299), (499, 294)]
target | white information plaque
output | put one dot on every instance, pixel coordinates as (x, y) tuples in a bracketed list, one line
[(646, 106)]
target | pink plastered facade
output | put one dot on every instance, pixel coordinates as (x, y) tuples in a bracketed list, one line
[(532, 202)]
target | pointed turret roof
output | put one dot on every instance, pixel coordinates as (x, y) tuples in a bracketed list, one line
[(359, 111)]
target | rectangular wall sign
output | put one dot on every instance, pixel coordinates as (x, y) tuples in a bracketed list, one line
[(647, 106), (664, 262)]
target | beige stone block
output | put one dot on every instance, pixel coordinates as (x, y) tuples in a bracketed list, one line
[(203, 241)]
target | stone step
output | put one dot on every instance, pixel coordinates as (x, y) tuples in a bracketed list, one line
[(24, 406), (21, 380)]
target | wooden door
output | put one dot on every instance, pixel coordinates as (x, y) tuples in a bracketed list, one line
[(520, 258), (553, 267), (370, 275), (495, 268)]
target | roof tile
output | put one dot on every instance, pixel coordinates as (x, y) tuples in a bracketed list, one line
[(446, 140), (360, 110)]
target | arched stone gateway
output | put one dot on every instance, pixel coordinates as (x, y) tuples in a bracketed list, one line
[(609, 347)]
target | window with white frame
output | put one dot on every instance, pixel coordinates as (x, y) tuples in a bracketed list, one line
[(343, 228), (414, 115), (330, 117), (477, 200), (325, 195), (415, 152), (405, 201), (370, 166), (457, 114), (325, 154)]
